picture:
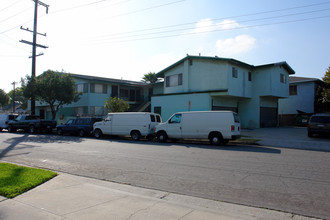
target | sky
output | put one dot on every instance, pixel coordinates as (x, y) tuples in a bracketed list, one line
[(125, 39)]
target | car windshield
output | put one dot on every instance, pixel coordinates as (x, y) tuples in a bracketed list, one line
[(320, 119)]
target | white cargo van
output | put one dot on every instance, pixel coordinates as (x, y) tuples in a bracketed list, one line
[(217, 126), (4, 119), (135, 124)]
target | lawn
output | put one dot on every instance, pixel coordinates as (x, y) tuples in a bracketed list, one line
[(15, 180)]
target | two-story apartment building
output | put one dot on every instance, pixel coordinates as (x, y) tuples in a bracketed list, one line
[(95, 91), (304, 98), (197, 83)]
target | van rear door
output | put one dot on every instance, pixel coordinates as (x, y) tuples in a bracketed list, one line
[(174, 126)]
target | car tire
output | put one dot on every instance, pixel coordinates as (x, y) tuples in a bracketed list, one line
[(136, 135), (32, 129), (81, 133), (98, 133), (216, 139), (162, 137), (10, 129), (59, 131)]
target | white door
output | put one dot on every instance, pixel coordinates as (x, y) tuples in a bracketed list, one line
[(174, 126), (107, 125)]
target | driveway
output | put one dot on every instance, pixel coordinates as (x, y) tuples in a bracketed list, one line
[(289, 137)]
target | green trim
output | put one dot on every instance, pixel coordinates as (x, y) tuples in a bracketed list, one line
[(187, 93)]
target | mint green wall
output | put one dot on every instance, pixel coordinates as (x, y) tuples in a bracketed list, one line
[(176, 103), (206, 75)]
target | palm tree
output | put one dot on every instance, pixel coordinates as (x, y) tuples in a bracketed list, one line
[(150, 77)]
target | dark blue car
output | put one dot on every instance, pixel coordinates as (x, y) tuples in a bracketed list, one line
[(80, 126)]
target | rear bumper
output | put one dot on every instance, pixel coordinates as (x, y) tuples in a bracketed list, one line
[(234, 137)]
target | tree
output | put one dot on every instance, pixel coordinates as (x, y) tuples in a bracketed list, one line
[(4, 98), (19, 97), (116, 105), (54, 88), (150, 77), (326, 89)]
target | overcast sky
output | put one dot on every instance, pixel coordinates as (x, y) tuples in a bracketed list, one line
[(128, 38)]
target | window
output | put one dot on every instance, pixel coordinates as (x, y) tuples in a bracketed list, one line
[(158, 110), (282, 78), (99, 88), (234, 72), (97, 110), (175, 119), (82, 87), (293, 90), (152, 118), (124, 94), (173, 80), (69, 122), (250, 76)]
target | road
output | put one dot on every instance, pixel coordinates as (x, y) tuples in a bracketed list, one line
[(296, 181)]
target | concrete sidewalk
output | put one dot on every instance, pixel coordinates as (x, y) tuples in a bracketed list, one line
[(288, 137), (74, 197)]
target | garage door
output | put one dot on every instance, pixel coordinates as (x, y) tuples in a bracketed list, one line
[(268, 117)]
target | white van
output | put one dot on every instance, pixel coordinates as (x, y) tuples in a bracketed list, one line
[(135, 124), (4, 118), (217, 126)]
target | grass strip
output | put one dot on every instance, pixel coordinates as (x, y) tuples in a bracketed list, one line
[(15, 180)]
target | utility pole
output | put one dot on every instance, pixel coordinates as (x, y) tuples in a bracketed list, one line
[(34, 48), (14, 83)]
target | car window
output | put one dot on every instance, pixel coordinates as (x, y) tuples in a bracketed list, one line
[(108, 118), (69, 122), (152, 117), (320, 119), (158, 118), (175, 119)]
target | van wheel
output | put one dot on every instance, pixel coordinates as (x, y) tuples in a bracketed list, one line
[(81, 133), (162, 137), (216, 139), (32, 129), (98, 133), (135, 135)]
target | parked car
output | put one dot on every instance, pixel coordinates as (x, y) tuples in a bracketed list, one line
[(31, 123), (4, 119), (135, 124), (217, 126), (80, 126), (319, 124)]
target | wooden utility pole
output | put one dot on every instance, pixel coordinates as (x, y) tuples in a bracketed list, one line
[(34, 48)]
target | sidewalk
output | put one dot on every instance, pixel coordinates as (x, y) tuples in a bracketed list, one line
[(288, 137), (74, 197)]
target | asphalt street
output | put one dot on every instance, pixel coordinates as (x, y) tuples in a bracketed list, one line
[(289, 180)]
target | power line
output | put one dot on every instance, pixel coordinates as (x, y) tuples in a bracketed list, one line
[(195, 33), (21, 12), (88, 4), (215, 25), (10, 5), (224, 18)]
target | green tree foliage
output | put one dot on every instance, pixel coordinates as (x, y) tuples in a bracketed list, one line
[(19, 97), (53, 88), (150, 77), (326, 89), (116, 105), (4, 98)]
